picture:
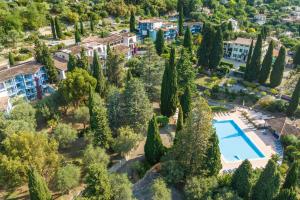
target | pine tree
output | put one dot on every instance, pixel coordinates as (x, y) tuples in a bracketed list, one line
[(248, 66), (98, 75), (168, 98), (38, 189), (293, 176), (187, 41), (59, 33), (294, 103), (77, 35), (132, 22), (255, 63), (241, 179), (98, 121), (154, 148), (51, 70), (92, 24), (186, 102), (278, 69), (266, 65), (71, 63), (81, 28), (217, 50), (180, 21), (38, 48), (205, 47), (11, 59), (296, 58), (160, 42), (267, 185), (287, 194), (53, 28), (83, 61), (213, 156), (179, 124)]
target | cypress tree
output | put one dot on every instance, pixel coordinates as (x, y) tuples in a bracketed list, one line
[(128, 75), (255, 63), (293, 176), (38, 48), (71, 63), (293, 104), (187, 41), (81, 28), (38, 189), (287, 194), (153, 148), (296, 58), (11, 59), (179, 124), (53, 28), (205, 47), (248, 66), (168, 98), (83, 61), (217, 50), (186, 102), (99, 122), (278, 69), (160, 42), (267, 185), (266, 65), (241, 179), (180, 21), (51, 70), (58, 28), (92, 24), (132, 22), (213, 156), (77, 35), (98, 75)]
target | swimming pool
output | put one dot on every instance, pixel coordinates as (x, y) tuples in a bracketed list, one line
[(233, 142)]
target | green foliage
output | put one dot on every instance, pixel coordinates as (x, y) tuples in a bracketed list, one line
[(187, 40), (180, 21), (121, 187), (126, 140), (52, 23), (204, 50), (11, 59), (59, 33), (296, 58), (266, 64), (241, 179), (294, 103), (199, 188), (217, 49), (248, 63), (160, 42), (160, 191), (81, 115), (132, 22), (154, 149), (77, 34), (287, 194), (185, 71), (213, 156), (71, 63), (292, 179), (162, 121), (24, 150), (179, 124), (267, 186), (186, 102), (94, 155), (169, 99), (278, 69), (64, 134), (255, 63), (98, 75), (115, 68), (81, 27), (23, 111), (83, 61), (38, 189), (97, 183), (67, 177)]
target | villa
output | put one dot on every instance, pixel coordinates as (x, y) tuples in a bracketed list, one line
[(147, 25), (28, 80)]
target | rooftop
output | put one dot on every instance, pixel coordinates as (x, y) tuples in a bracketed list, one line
[(283, 126), (30, 67), (151, 20), (60, 63), (243, 41)]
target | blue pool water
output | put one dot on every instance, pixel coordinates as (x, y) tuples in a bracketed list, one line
[(233, 142)]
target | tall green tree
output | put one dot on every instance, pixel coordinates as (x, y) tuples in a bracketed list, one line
[(11, 59), (77, 34), (180, 21), (160, 42), (71, 63), (287, 194), (160, 190), (213, 156), (187, 40), (50, 69), (266, 65), (186, 102), (248, 62), (179, 124), (296, 58), (217, 50), (293, 177), (185, 71), (255, 63), (92, 26), (132, 22), (168, 100), (98, 75), (294, 103), (278, 68), (267, 185), (38, 49), (53, 28), (115, 68), (83, 61), (99, 121), (81, 27), (38, 189), (59, 33), (204, 50), (241, 179), (154, 149)]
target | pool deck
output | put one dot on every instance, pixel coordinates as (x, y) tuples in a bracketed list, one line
[(264, 142)]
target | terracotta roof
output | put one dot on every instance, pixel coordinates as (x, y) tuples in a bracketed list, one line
[(107, 40), (121, 49), (243, 41), (3, 103), (60, 63), (151, 20), (283, 126), (30, 67)]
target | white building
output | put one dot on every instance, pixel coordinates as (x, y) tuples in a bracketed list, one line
[(234, 23), (260, 19)]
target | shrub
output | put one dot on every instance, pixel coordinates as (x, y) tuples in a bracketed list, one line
[(242, 68), (230, 65), (162, 120), (277, 106), (67, 177), (200, 187), (64, 134), (94, 155)]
